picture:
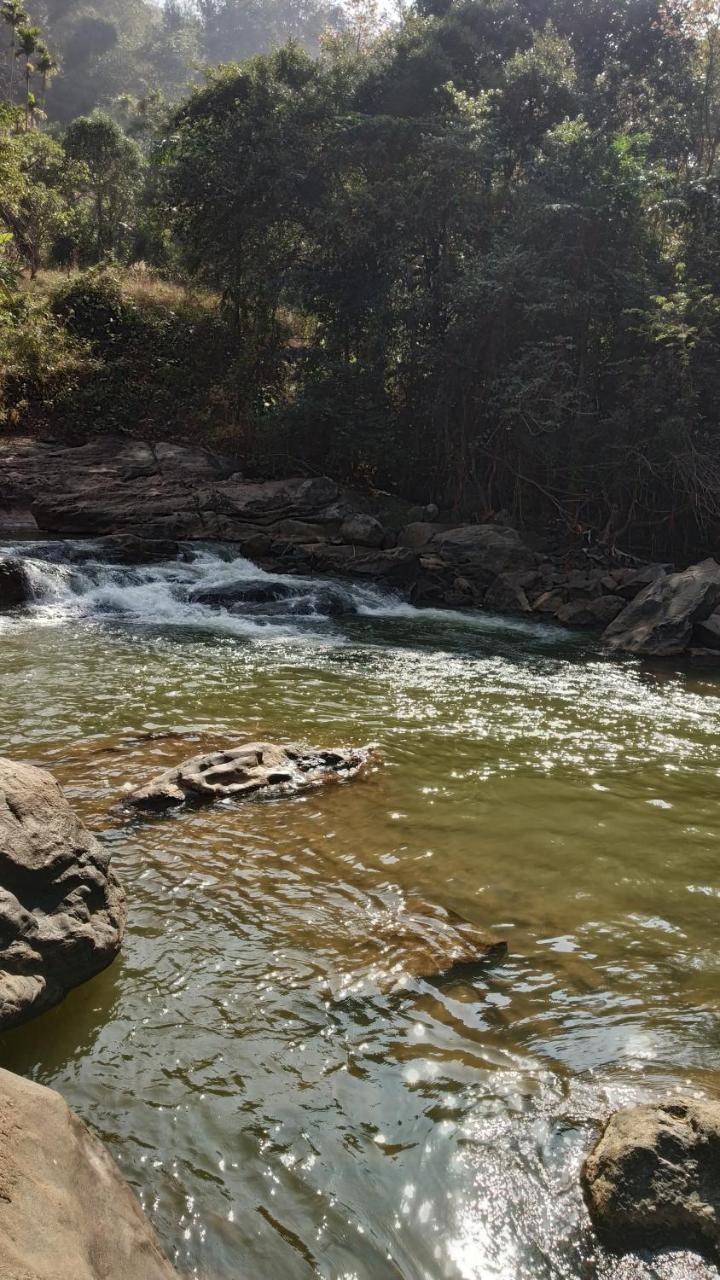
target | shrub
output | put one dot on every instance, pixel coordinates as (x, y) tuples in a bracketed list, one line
[(92, 307)]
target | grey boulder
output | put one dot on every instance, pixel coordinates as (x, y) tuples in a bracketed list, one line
[(659, 621), (62, 913), (653, 1178), (484, 550), (362, 530)]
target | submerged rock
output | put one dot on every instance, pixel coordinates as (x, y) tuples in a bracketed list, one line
[(413, 940), (653, 1178), (242, 591), (62, 914), (257, 768), (15, 587), (659, 621), (271, 598), (65, 1211)]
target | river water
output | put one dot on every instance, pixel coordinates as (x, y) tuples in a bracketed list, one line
[(281, 1111)]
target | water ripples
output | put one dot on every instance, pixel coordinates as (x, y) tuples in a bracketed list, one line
[(280, 1108)]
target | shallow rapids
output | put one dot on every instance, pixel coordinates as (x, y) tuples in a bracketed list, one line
[(279, 1111)]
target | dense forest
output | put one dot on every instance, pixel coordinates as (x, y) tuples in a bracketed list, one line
[(470, 254)]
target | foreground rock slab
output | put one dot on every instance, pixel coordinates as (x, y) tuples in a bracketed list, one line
[(659, 621), (653, 1178), (65, 1211), (62, 913), (256, 768)]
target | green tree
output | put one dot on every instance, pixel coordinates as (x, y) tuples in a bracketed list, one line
[(47, 67), (113, 164)]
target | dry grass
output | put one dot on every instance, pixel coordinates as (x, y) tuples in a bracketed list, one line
[(139, 282), (147, 288)]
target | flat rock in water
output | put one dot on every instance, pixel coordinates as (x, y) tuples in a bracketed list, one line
[(653, 1178), (62, 913), (256, 768), (65, 1211), (659, 621)]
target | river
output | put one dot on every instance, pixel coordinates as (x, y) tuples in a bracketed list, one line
[(279, 1111)]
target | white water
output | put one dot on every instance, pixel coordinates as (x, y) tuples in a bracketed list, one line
[(70, 585)]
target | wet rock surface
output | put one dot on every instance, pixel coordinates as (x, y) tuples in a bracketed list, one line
[(15, 586), (65, 1211), (253, 769), (653, 1178), (62, 913)]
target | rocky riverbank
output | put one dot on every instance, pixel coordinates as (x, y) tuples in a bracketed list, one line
[(142, 500)]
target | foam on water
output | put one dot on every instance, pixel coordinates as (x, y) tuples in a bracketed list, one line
[(70, 584)]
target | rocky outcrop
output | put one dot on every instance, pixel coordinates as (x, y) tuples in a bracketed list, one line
[(659, 622), (141, 500), (65, 1211), (254, 769), (62, 913), (653, 1178)]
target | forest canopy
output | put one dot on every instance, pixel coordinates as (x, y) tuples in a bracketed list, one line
[(472, 257)]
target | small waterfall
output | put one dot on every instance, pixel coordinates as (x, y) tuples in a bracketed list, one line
[(205, 587), (211, 588)]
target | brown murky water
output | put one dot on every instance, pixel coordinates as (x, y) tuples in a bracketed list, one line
[(279, 1111)]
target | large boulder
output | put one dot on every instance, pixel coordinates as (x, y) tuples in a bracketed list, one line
[(484, 550), (660, 620), (15, 586), (254, 769), (362, 530), (65, 1211), (62, 913), (653, 1178), (417, 534)]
